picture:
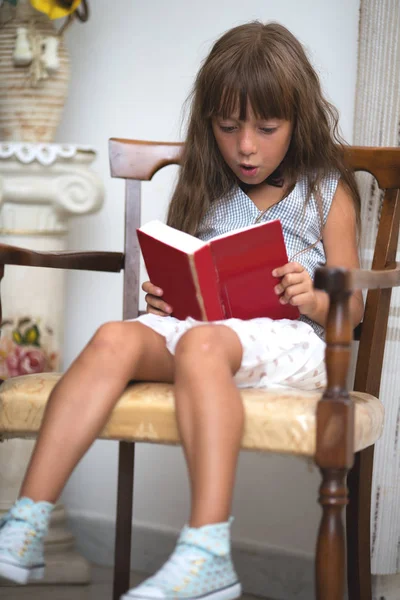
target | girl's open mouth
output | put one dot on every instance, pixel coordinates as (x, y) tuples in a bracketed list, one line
[(248, 170)]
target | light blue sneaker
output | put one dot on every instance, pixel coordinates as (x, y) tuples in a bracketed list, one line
[(22, 531), (200, 567)]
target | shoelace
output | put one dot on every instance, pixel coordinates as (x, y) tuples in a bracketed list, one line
[(177, 567), (16, 535)]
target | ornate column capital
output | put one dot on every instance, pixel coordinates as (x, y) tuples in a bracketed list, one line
[(42, 185)]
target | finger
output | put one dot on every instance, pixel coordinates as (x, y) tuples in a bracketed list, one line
[(293, 291), (158, 303), (155, 311), (290, 267), (291, 279), (299, 299), (152, 289)]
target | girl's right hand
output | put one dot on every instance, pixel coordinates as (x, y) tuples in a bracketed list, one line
[(155, 303)]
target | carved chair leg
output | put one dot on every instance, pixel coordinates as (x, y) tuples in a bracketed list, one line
[(334, 437), (330, 558), (358, 515), (122, 564)]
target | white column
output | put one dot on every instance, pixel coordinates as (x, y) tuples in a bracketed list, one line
[(41, 187), (377, 123)]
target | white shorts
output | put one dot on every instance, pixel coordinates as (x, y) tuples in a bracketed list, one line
[(275, 353)]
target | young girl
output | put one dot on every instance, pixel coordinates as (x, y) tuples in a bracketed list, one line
[(261, 145)]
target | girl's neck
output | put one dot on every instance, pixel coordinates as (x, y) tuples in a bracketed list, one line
[(264, 195)]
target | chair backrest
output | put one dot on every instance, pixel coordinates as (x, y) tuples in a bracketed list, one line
[(137, 161)]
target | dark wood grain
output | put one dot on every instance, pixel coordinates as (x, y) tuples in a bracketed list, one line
[(358, 279), (132, 250), (127, 449), (334, 444), (371, 279), (368, 379), (123, 533), (358, 526), (382, 163), (373, 337), (86, 261), (136, 159)]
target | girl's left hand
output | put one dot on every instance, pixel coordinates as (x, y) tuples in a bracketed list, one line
[(296, 287)]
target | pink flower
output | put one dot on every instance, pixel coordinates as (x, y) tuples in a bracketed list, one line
[(24, 361)]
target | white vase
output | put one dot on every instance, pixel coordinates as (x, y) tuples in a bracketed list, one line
[(30, 107)]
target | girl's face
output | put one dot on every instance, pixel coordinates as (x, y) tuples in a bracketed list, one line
[(252, 148)]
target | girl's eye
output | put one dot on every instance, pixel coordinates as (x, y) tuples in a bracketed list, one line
[(268, 129), (227, 128)]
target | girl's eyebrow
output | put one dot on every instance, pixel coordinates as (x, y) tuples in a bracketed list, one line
[(220, 115), (236, 118)]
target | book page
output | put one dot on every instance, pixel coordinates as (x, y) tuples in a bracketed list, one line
[(173, 237)]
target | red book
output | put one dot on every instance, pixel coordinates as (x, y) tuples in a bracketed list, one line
[(229, 276)]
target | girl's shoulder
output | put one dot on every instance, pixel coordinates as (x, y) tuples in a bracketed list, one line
[(327, 183), (320, 199)]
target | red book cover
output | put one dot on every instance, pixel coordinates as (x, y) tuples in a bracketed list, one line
[(187, 278), (229, 276), (244, 261)]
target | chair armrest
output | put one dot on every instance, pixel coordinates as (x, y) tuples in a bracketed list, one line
[(85, 261), (346, 280)]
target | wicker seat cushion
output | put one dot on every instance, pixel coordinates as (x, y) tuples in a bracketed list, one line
[(280, 421)]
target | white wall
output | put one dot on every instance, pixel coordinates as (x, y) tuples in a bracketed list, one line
[(132, 66)]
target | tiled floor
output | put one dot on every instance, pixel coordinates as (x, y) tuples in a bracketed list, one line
[(100, 589)]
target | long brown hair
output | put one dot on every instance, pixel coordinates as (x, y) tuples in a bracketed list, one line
[(266, 66)]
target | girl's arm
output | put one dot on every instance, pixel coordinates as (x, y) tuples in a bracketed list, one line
[(340, 243)]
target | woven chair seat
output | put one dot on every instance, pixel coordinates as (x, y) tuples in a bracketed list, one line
[(276, 420)]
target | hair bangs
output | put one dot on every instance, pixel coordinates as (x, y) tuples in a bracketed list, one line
[(250, 83), (266, 69)]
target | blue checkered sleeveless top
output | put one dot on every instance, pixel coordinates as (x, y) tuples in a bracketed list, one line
[(301, 227)]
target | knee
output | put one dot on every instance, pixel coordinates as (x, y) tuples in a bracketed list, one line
[(109, 337), (200, 343)]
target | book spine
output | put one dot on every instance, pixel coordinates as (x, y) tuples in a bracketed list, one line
[(199, 296), (222, 295), (206, 282)]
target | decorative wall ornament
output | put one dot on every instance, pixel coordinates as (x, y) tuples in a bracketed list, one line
[(45, 184), (34, 67), (38, 51), (26, 347), (42, 186), (377, 123), (32, 96), (22, 54), (45, 154)]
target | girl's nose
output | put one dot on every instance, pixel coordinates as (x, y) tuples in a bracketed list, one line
[(247, 143)]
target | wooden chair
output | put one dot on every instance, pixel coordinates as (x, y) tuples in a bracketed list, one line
[(339, 425)]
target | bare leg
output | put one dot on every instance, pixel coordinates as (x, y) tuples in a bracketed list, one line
[(82, 401), (210, 417)]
